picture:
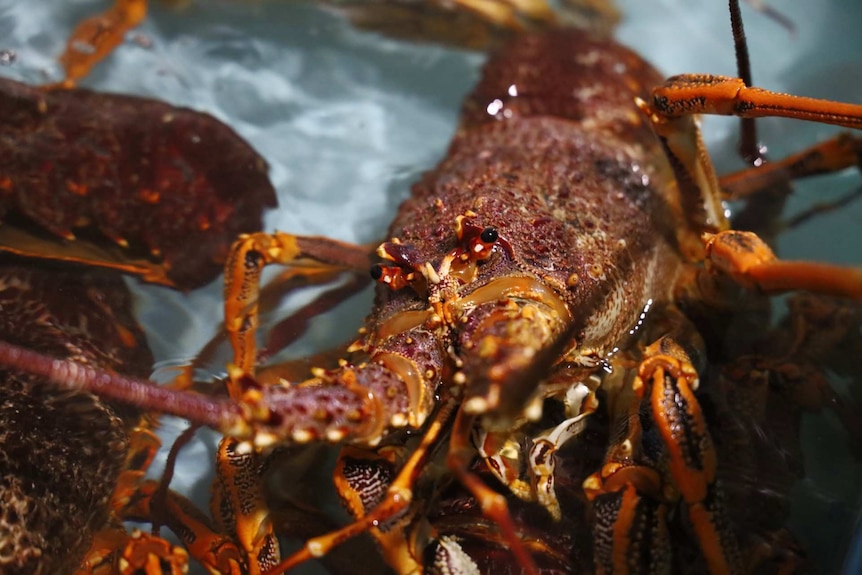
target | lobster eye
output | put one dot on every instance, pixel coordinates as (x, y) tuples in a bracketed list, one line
[(376, 272), (489, 235)]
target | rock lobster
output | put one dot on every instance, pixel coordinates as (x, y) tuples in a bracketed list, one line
[(505, 283)]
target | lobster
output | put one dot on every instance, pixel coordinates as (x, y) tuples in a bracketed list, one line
[(476, 251), (54, 438)]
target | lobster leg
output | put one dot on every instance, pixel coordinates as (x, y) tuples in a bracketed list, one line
[(667, 379), (238, 504), (247, 259), (741, 255), (151, 501), (749, 261), (631, 532), (835, 154), (114, 551), (689, 94), (580, 402), (216, 551), (395, 502), (643, 473), (97, 36), (362, 478), (503, 455), (493, 504)]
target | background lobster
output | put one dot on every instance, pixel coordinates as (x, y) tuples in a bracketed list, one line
[(324, 225)]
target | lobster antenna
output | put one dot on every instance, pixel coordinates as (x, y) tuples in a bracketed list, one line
[(217, 413), (748, 147)]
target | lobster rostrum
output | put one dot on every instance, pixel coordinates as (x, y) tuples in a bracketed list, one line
[(542, 261)]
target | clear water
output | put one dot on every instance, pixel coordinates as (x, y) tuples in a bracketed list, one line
[(348, 119)]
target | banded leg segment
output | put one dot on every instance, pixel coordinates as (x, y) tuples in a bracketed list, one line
[(690, 94), (239, 506), (642, 478), (835, 154), (249, 255), (667, 379), (671, 113), (749, 262), (97, 36), (393, 504), (362, 478)]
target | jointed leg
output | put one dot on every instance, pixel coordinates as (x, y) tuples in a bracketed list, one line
[(835, 154), (96, 37), (634, 490), (249, 255), (493, 504), (690, 94), (749, 261), (397, 499)]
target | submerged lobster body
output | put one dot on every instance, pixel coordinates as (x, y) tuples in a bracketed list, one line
[(534, 278), (554, 157), (61, 452), (553, 153)]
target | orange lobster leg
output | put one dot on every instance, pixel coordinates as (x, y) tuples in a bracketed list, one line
[(116, 552), (835, 154), (668, 379), (396, 500), (493, 504), (749, 261), (689, 94), (96, 37), (637, 540), (361, 477), (632, 493), (239, 505), (247, 259), (218, 553)]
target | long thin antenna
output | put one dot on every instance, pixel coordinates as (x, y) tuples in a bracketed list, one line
[(748, 146), (213, 412)]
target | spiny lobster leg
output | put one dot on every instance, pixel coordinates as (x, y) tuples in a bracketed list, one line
[(238, 504), (835, 154), (138, 553), (493, 504), (247, 259), (672, 116), (151, 501), (362, 478), (502, 454), (580, 402), (689, 94), (667, 379), (741, 255), (699, 191), (97, 36), (114, 551), (397, 500), (217, 552), (641, 478), (749, 261), (504, 459), (629, 502)]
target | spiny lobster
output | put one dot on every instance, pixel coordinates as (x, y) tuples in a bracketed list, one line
[(477, 250)]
